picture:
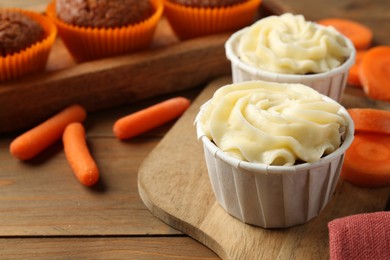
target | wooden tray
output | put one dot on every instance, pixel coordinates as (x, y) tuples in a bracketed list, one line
[(169, 65), (174, 185)]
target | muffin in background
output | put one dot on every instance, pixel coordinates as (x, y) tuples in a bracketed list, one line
[(103, 28), (290, 49), (190, 18), (26, 39), (17, 32), (273, 151), (103, 13)]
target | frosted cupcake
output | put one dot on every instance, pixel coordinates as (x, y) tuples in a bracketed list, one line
[(273, 150), (289, 49)]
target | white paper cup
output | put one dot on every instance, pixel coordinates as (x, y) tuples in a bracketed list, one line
[(331, 83), (273, 196)]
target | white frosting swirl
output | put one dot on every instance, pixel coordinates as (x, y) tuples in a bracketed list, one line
[(289, 44), (272, 123)]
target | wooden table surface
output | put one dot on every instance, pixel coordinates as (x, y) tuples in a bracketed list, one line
[(46, 213)]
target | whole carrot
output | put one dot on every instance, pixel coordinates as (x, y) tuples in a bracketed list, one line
[(78, 155), (149, 118), (34, 141)]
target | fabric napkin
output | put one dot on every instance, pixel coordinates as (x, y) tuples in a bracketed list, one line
[(361, 236)]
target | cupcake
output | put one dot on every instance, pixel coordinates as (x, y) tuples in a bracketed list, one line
[(25, 42), (289, 49), (103, 28), (191, 18), (273, 150)]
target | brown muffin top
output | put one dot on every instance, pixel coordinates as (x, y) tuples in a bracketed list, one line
[(17, 32), (103, 13), (208, 3)]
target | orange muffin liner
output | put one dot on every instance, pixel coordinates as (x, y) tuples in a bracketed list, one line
[(87, 43), (32, 59), (190, 22)]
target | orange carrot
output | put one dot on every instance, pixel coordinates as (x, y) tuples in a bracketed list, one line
[(34, 141), (149, 118), (367, 161), (78, 155), (353, 76), (370, 120), (374, 73), (360, 35)]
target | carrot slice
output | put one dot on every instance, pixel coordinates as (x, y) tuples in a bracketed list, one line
[(367, 161), (34, 141), (370, 120), (78, 155), (360, 35), (149, 118), (374, 73), (353, 76)]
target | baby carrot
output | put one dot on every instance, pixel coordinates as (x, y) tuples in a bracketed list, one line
[(78, 155), (34, 141), (374, 73), (370, 120), (149, 118), (360, 35)]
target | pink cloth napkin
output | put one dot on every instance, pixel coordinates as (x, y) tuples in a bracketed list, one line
[(361, 236)]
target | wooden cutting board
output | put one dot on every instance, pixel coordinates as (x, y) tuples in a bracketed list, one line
[(174, 185)]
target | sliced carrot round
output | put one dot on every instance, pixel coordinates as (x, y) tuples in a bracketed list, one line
[(360, 35), (353, 76), (367, 161), (374, 73), (370, 120)]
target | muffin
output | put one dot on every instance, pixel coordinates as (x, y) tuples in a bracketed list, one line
[(25, 42), (190, 18), (94, 29), (273, 150), (17, 32), (289, 49), (103, 13)]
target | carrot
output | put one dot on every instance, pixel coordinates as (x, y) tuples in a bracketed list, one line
[(353, 76), (34, 141), (374, 73), (149, 118), (370, 120), (367, 161), (78, 155), (360, 35)]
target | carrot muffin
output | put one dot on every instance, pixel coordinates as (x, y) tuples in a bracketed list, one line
[(94, 29), (290, 49), (17, 32), (26, 39), (208, 3), (103, 13), (191, 18), (274, 151)]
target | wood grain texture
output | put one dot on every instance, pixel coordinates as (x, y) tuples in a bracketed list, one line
[(174, 185), (42, 197), (152, 248)]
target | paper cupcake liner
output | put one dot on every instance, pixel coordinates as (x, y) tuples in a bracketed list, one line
[(331, 83), (273, 196), (32, 59), (86, 43), (190, 22)]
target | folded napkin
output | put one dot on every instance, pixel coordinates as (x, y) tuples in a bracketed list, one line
[(361, 236)]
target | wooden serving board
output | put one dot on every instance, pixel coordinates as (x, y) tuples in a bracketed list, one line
[(173, 183)]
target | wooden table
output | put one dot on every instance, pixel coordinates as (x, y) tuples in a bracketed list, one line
[(46, 213)]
